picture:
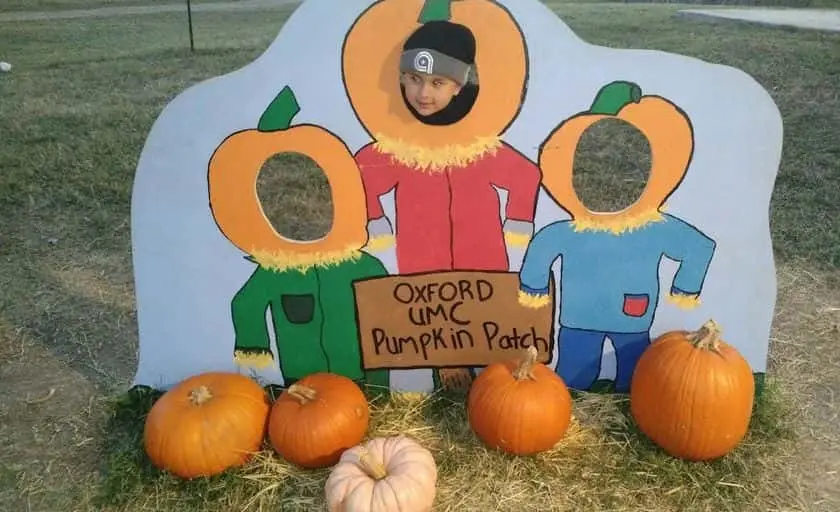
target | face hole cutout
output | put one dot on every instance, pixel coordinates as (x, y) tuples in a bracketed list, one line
[(438, 100), (612, 166), (295, 196)]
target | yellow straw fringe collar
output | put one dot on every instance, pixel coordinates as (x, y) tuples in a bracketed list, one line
[(616, 223), (436, 159), (280, 261)]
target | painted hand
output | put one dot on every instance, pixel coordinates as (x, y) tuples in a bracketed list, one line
[(534, 301), (684, 300), (380, 234), (518, 232), (253, 358)]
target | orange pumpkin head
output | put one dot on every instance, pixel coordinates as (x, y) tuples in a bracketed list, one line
[(206, 424), (692, 394), (370, 63), (669, 134), (521, 408), (235, 167), (317, 418)]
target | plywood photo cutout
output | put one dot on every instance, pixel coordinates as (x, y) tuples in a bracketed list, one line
[(448, 132)]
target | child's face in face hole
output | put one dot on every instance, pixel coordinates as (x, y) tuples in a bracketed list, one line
[(429, 94)]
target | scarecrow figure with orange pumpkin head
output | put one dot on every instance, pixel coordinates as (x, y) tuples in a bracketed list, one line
[(305, 287), (609, 279), (437, 141)]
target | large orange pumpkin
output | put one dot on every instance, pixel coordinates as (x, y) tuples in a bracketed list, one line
[(206, 424), (236, 165), (670, 136), (317, 418), (692, 394), (520, 407), (370, 63)]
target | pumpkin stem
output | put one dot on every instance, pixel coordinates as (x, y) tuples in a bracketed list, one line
[(525, 370), (435, 10), (200, 395), (303, 394), (707, 337), (280, 112), (369, 465), (614, 96)]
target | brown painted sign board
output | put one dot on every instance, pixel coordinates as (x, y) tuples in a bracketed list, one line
[(448, 319)]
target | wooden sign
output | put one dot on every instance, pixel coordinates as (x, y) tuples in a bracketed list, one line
[(448, 319)]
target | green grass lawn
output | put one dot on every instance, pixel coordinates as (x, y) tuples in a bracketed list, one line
[(49, 5), (58, 5), (76, 111)]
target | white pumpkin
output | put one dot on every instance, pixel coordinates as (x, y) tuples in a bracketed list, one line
[(385, 474)]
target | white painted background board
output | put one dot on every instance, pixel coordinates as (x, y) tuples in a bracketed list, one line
[(186, 271)]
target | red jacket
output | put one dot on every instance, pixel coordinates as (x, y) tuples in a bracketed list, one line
[(449, 220)]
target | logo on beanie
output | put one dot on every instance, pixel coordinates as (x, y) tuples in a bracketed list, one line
[(424, 62)]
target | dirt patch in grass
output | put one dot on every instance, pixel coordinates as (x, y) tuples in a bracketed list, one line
[(49, 426), (804, 356)]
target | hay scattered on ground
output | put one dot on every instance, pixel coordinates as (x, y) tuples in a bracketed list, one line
[(602, 463)]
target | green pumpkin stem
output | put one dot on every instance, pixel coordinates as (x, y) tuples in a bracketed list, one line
[(525, 370), (707, 337), (200, 395), (436, 10), (280, 112), (369, 465), (614, 96), (302, 394)]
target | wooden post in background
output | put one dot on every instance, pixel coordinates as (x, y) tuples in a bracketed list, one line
[(189, 21)]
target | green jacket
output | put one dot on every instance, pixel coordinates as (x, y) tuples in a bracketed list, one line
[(313, 315)]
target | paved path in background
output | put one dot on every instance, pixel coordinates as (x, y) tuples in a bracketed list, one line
[(242, 5), (816, 19)]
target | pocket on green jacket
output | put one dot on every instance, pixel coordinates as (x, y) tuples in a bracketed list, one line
[(299, 309)]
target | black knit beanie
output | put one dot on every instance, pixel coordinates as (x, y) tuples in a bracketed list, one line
[(449, 39), (457, 42)]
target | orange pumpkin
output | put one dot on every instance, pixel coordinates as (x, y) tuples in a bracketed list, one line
[(232, 179), (671, 141), (370, 63), (522, 408), (692, 394), (317, 418), (206, 424)]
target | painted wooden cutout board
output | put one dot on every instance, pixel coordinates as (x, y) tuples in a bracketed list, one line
[(452, 245)]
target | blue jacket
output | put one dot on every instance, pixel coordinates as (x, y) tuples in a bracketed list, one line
[(610, 282)]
